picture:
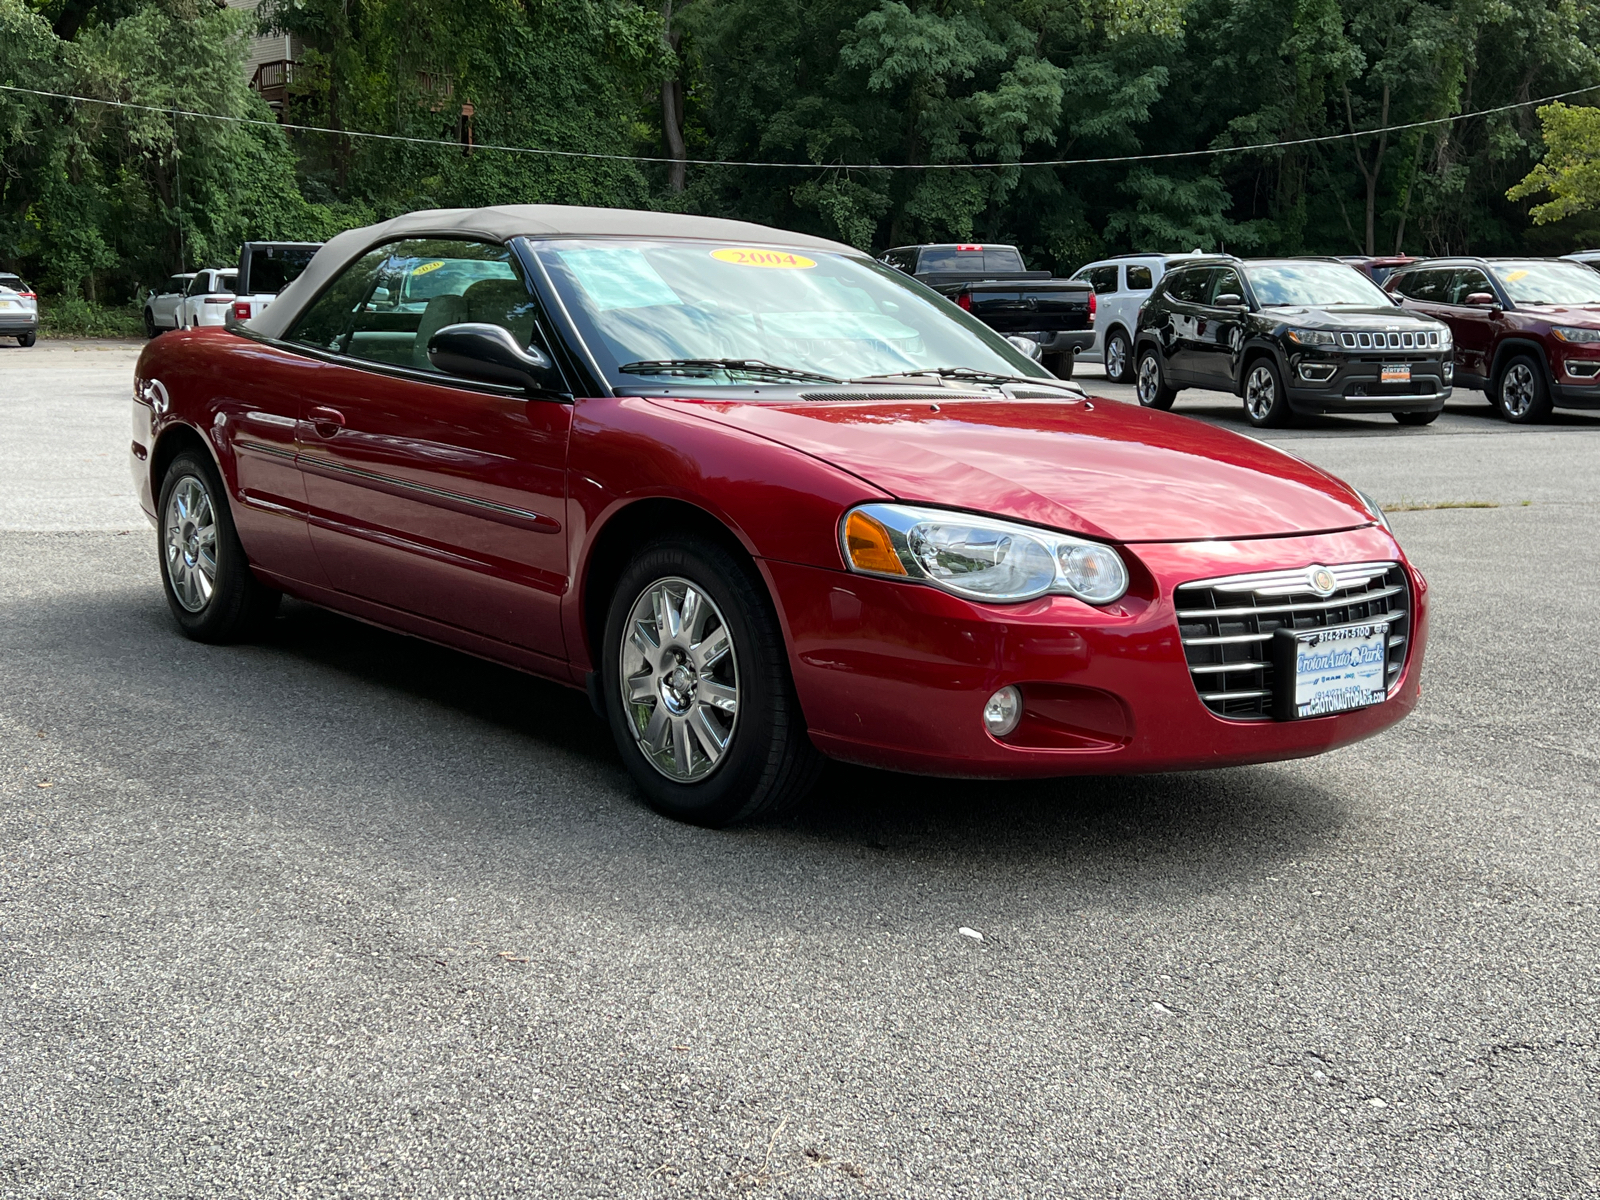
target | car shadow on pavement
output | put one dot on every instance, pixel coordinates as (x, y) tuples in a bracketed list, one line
[(1196, 826)]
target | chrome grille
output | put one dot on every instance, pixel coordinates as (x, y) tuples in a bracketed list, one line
[(1227, 626)]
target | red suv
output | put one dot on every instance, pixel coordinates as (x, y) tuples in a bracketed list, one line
[(1527, 330)]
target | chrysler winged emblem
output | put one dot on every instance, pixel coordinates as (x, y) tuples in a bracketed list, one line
[(1322, 581)]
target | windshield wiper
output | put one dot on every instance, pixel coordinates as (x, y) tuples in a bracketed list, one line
[(705, 366), (972, 374)]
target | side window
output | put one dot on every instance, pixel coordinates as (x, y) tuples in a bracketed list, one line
[(1224, 283), (1103, 279), (1465, 283), (197, 285), (225, 284), (1189, 287), (387, 304), (1002, 258), (1426, 286), (1139, 279)]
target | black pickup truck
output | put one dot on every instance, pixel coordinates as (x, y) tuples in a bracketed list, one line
[(992, 284)]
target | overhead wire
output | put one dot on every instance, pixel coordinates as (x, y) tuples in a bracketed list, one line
[(1251, 147)]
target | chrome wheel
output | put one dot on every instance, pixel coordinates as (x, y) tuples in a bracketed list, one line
[(189, 543), (1517, 390), (1117, 360), (1260, 393), (1149, 380), (680, 680)]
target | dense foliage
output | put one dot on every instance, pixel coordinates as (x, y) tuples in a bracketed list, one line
[(95, 199)]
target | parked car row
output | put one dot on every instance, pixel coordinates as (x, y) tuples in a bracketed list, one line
[(1306, 335), (220, 295)]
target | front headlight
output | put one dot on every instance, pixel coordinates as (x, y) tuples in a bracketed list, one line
[(1314, 337), (1570, 333), (978, 558), (1446, 338)]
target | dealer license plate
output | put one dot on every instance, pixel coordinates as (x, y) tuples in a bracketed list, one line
[(1397, 374), (5, 304), (1324, 671)]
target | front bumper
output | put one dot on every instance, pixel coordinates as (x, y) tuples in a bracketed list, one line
[(895, 675), (1332, 381)]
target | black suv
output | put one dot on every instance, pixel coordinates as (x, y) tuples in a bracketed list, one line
[(1290, 335)]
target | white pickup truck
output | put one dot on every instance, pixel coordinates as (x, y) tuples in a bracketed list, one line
[(265, 269)]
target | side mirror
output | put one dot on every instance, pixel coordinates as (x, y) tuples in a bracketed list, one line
[(1228, 300), (1027, 345), (1482, 300), (489, 354)]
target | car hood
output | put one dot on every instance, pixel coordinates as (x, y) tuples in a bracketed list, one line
[(1101, 468), (1382, 317)]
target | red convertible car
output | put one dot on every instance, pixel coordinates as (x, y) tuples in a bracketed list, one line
[(768, 501)]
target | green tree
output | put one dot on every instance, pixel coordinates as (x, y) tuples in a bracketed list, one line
[(1570, 169)]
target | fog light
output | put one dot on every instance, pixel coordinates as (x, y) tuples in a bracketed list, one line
[(1449, 371), (1003, 711)]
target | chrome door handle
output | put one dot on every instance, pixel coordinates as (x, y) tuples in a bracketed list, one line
[(326, 421)]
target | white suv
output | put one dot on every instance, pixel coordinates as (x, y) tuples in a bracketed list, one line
[(208, 298), (1121, 285)]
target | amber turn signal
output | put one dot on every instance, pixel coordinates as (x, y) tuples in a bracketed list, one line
[(867, 543)]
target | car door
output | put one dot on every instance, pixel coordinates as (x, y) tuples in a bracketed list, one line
[(1474, 326), (429, 494), (189, 306), (1219, 329), (164, 305), (1187, 290)]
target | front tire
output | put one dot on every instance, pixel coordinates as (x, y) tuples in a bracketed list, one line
[(1266, 403), (27, 340), (1521, 395), (1152, 383), (1119, 358), (697, 688), (204, 572)]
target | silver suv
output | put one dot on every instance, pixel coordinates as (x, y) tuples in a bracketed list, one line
[(19, 310), (1121, 284)]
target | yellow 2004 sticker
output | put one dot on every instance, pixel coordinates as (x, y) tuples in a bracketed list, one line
[(780, 260), (426, 267)]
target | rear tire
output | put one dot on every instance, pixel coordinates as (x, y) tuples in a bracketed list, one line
[(204, 572), (1152, 381), (1521, 394), (1416, 418), (150, 329), (27, 340), (1266, 403), (698, 692), (1119, 358), (1060, 365)]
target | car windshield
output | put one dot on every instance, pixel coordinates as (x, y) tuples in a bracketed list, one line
[(664, 308), (1538, 282), (1313, 285)]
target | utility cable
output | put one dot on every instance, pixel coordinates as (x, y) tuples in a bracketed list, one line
[(811, 166)]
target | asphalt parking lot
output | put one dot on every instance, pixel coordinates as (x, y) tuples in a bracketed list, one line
[(344, 914)]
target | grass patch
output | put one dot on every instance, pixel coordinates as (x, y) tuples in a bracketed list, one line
[(77, 318), (1429, 506)]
